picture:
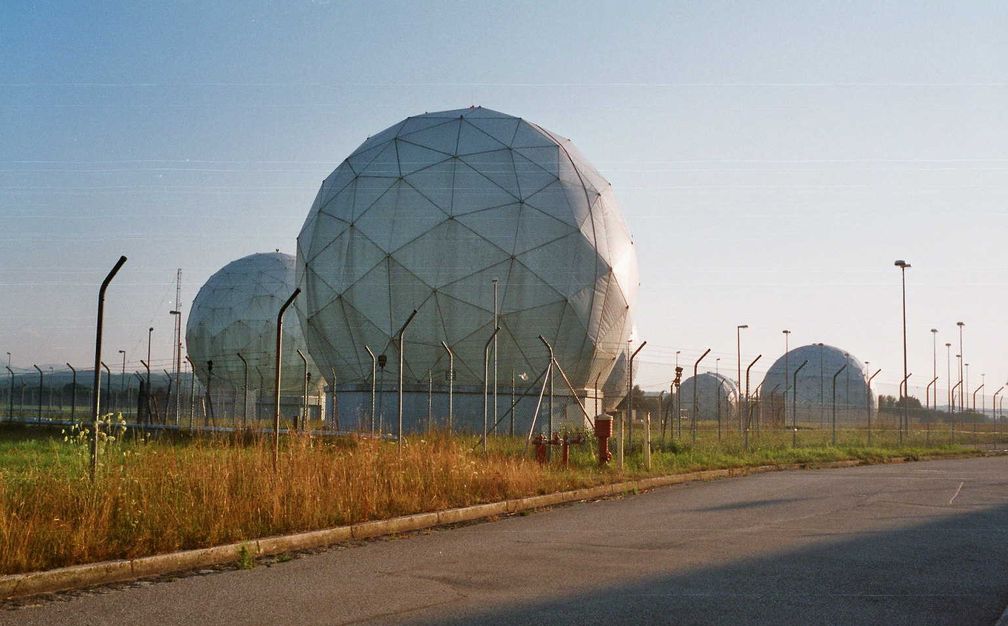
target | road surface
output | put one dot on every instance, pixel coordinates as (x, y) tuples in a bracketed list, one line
[(916, 543)]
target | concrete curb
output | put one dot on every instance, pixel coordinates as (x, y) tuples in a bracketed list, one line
[(106, 572)]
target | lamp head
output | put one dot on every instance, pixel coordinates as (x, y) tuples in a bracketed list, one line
[(902, 264)]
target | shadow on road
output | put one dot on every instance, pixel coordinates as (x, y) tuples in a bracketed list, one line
[(931, 573)]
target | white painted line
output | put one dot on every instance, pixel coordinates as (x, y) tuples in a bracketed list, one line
[(956, 494)]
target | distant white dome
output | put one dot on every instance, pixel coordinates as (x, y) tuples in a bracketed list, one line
[(713, 391), (235, 312), (815, 384)]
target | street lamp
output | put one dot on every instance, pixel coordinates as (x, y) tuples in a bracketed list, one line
[(903, 265)]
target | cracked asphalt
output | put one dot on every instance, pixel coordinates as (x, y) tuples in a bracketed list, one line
[(915, 543)]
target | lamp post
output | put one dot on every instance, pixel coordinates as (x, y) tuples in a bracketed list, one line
[(903, 265), (549, 421)]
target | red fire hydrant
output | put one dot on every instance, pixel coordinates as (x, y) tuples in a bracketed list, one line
[(540, 447), (566, 443), (603, 431)]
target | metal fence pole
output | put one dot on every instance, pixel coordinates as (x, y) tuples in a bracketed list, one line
[(402, 366), (374, 376), (244, 390), (794, 404), (838, 372), (40, 385), (278, 362), (451, 384), (696, 407), (73, 393), (95, 405), (486, 383), (304, 399)]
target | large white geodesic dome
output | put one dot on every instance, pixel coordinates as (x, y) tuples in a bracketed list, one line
[(234, 312), (427, 213), (714, 393), (814, 399)]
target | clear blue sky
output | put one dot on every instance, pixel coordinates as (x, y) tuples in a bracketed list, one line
[(772, 159)]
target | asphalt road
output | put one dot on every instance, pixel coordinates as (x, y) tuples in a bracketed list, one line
[(917, 543)]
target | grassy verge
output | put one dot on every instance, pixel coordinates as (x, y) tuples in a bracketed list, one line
[(160, 496)]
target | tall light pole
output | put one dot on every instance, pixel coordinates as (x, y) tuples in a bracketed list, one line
[(960, 355), (903, 265), (738, 351)]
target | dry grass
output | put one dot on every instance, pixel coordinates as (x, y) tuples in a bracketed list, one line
[(154, 497)]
